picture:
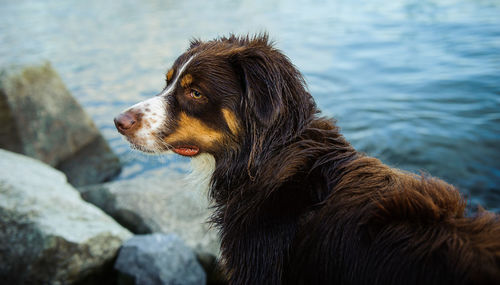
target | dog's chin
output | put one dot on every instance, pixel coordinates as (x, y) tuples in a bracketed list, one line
[(183, 150), (147, 150)]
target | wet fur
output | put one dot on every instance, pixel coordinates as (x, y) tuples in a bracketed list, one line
[(295, 203)]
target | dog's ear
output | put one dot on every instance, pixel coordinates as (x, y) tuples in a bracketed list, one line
[(262, 81)]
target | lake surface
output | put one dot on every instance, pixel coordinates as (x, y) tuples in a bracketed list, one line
[(414, 83)]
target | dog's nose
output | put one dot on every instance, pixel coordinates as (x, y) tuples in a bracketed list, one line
[(125, 122)]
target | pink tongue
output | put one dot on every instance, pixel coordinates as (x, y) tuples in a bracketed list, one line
[(186, 151)]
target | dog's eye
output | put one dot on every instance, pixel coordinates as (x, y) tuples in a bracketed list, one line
[(196, 94)]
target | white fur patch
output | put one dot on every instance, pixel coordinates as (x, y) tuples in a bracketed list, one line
[(154, 115), (202, 169)]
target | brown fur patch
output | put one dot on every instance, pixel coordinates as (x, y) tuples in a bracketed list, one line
[(193, 130), (170, 73), (231, 121), (186, 80)]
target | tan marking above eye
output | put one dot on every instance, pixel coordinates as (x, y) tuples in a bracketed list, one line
[(170, 73), (231, 121), (192, 129), (186, 80)]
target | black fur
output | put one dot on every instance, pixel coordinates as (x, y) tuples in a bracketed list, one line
[(295, 203)]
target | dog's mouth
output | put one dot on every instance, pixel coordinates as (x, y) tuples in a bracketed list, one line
[(183, 149), (186, 150)]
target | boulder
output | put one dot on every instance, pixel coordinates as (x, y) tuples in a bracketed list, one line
[(48, 234), (40, 118), (162, 203), (165, 203), (158, 259)]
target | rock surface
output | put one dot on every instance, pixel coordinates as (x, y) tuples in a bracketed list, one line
[(48, 234), (164, 203), (40, 118), (158, 259)]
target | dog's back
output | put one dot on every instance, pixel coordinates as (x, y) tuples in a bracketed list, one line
[(383, 226)]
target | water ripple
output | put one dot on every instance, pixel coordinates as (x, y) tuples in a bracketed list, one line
[(415, 83)]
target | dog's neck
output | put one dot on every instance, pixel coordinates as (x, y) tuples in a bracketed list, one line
[(319, 143), (202, 169)]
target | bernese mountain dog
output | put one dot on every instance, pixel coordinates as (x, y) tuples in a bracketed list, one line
[(294, 202)]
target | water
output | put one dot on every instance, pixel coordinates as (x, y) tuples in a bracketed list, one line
[(414, 83)]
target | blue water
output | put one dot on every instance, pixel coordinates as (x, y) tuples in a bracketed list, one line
[(414, 83)]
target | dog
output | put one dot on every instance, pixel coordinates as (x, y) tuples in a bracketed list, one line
[(293, 201)]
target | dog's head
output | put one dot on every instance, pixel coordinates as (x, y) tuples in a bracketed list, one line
[(223, 95)]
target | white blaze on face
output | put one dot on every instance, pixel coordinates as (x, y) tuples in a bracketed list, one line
[(153, 115), (171, 88)]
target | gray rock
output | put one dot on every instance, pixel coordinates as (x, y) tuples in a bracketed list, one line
[(40, 118), (92, 164), (158, 259), (48, 234), (164, 203)]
